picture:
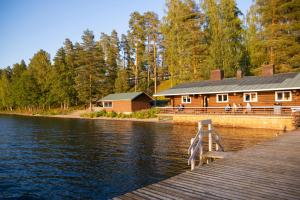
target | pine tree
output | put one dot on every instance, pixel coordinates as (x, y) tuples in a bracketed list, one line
[(256, 52), (278, 34), (121, 83), (126, 53), (62, 87), (152, 24), (111, 47), (184, 41), (224, 35), (26, 92), (40, 68), (5, 92), (90, 70), (17, 71), (70, 58), (137, 38)]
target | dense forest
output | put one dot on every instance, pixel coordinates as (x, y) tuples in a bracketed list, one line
[(184, 45)]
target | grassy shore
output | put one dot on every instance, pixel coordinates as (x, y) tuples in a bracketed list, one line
[(145, 115)]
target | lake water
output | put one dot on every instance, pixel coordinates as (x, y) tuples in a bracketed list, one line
[(52, 158)]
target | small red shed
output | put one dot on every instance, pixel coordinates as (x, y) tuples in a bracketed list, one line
[(126, 102)]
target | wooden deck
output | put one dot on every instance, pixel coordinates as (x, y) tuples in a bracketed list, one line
[(270, 170)]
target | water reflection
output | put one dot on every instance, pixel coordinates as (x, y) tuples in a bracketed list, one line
[(48, 158)]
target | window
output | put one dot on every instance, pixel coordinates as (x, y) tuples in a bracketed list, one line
[(222, 98), (107, 104), (283, 96), (186, 99), (250, 97)]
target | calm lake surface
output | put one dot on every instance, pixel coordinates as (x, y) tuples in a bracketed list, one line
[(52, 158)]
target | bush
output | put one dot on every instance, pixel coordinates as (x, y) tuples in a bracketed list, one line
[(111, 114), (143, 114), (101, 113)]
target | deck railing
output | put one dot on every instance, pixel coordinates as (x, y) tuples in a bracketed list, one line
[(254, 110), (196, 150)]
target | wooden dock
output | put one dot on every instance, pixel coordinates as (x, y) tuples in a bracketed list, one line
[(269, 170)]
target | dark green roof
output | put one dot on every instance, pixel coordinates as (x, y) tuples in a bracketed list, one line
[(122, 96), (284, 81)]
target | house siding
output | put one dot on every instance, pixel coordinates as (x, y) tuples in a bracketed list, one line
[(197, 101), (139, 103), (120, 106), (264, 99)]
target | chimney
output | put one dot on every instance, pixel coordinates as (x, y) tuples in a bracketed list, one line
[(268, 70), (239, 74), (217, 74)]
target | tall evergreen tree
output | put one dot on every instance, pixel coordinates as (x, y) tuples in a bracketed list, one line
[(5, 92), (277, 33), (152, 24), (17, 71), (62, 87), (90, 69), (26, 91), (257, 54), (126, 51), (111, 47), (40, 68), (184, 41), (121, 83), (137, 38), (224, 35), (70, 59)]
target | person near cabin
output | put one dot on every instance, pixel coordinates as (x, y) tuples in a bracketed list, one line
[(248, 107), (239, 108), (234, 106), (227, 108), (180, 107)]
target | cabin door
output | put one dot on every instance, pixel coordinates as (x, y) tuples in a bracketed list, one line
[(205, 101)]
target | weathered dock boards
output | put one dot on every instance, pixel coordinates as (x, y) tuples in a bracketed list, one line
[(270, 170)]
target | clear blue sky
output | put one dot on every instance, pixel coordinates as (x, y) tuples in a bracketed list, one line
[(29, 25)]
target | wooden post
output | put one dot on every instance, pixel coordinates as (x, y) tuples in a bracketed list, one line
[(200, 154), (193, 159), (209, 138), (217, 141), (200, 139)]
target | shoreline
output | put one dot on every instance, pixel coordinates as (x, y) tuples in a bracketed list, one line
[(153, 120), (70, 116)]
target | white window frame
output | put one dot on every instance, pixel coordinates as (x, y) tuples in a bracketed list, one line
[(217, 98), (283, 92), (104, 106), (184, 99), (250, 93)]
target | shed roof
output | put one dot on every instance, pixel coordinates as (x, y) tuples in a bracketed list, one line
[(282, 81), (122, 96)]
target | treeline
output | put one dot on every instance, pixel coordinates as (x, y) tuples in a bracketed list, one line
[(185, 45)]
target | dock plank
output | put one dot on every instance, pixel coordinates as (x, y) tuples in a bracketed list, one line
[(268, 170)]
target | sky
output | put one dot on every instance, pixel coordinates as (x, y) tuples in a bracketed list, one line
[(29, 25)]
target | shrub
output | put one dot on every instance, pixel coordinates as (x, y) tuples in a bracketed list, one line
[(143, 114), (101, 113), (114, 114)]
